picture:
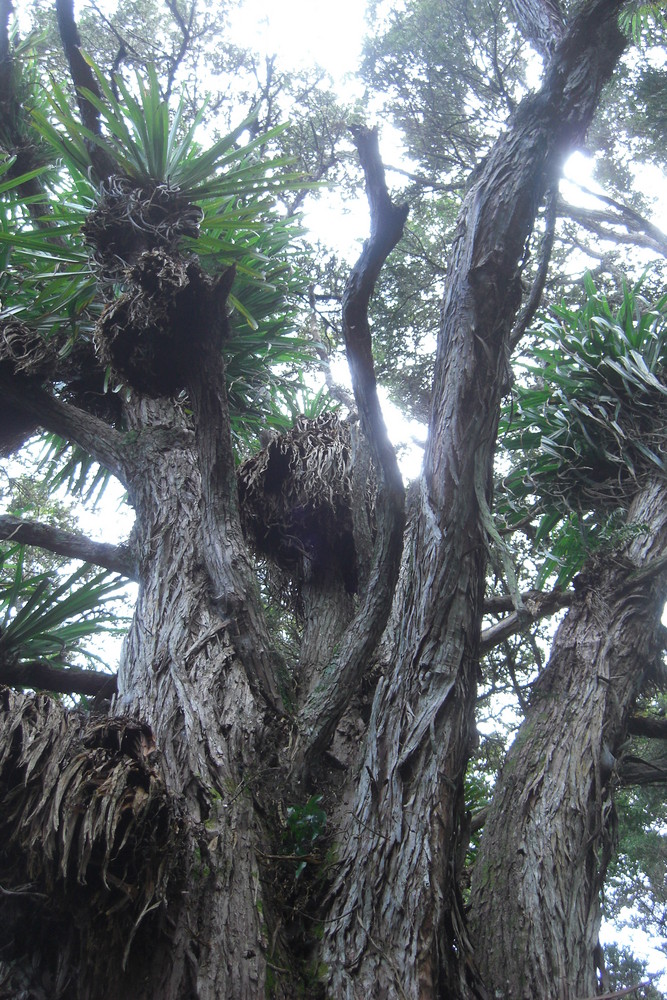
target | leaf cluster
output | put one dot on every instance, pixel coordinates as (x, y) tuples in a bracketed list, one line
[(305, 826), (586, 425), (52, 284), (44, 617)]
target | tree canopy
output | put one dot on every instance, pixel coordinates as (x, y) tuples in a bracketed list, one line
[(360, 740)]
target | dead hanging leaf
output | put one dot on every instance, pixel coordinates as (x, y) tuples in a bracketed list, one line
[(296, 498), (82, 803), (150, 333), (23, 351)]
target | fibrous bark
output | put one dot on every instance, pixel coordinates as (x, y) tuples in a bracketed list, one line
[(535, 905), (199, 664), (397, 929)]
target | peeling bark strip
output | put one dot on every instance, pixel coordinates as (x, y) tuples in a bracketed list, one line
[(549, 831), (396, 928)]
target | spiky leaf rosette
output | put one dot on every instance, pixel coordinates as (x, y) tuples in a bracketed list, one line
[(589, 426), (82, 803), (165, 195)]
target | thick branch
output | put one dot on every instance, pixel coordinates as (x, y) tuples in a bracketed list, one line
[(18, 144), (652, 727), (83, 79), (541, 22), (536, 605), (552, 600), (39, 675), (636, 771), (105, 445), (227, 561), (73, 544), (6, 8), (328, 701), (535, 297)]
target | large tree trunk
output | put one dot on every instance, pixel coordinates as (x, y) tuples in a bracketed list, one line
[(182, 671), (397, 927), (199, 665), (535, 901)]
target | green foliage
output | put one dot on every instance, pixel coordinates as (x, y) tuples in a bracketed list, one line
[(151, 145), (449, 71), (588, 424), (305, 826), (45, 618), (640, 19), (69, 467), (52, 285), (625, 970), (636, 881)]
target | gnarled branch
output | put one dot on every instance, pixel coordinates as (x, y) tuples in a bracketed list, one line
[(39, 675), (102, 442), (83, 79), (536, 605), (327, 702), (73, 544), (637, 771), (653, 727)]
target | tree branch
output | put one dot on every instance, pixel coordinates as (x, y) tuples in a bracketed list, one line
[(39, 675), (227, 562), (328, 701), (541, 22), (639, 231), (636, 771), (505, 602), (546, 246), (83, 79), (73, 544), (25, 150), (536, 605), (107, 446), (6, 8), (653, 727)]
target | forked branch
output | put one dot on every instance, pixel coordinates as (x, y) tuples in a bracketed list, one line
[(326, 704), (106, 445)]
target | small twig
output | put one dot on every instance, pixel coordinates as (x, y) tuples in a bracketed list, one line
[(618, 993)]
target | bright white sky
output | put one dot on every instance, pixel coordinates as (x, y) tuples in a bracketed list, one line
[(303, 32)]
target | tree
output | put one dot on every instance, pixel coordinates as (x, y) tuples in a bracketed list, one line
[(244, 822)]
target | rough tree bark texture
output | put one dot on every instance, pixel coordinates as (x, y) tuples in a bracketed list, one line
[(198, 664), (535, 903), (183, 672), (395, 929)]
